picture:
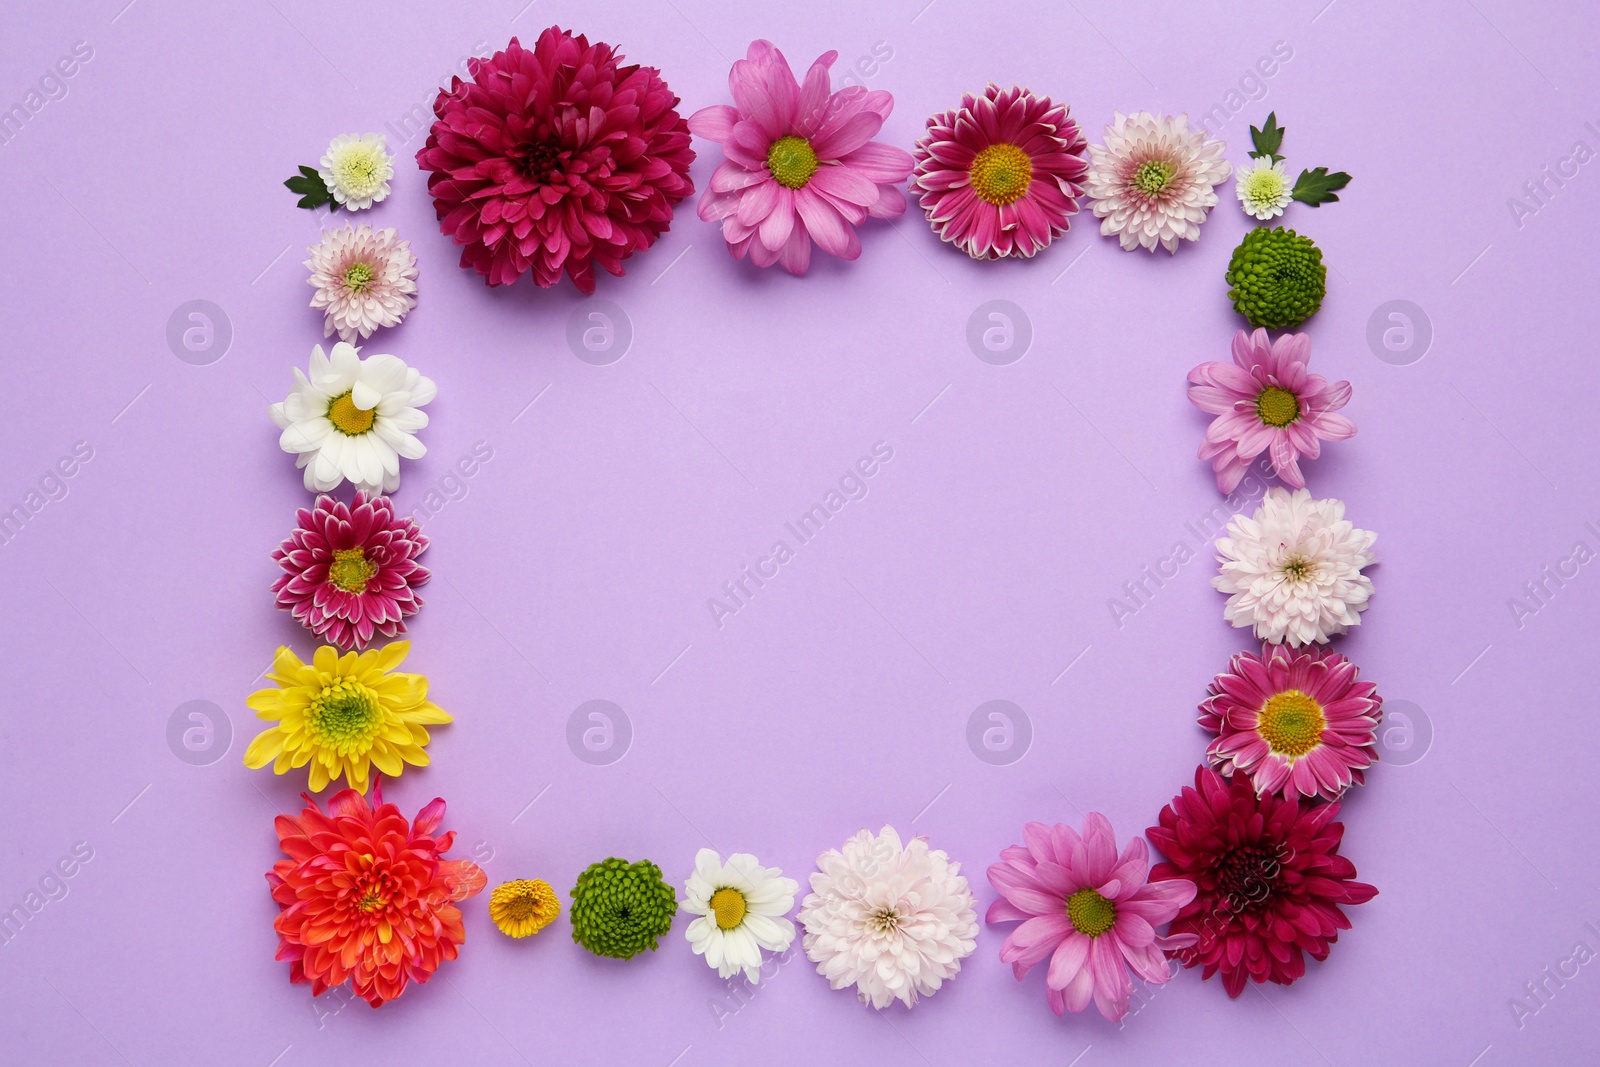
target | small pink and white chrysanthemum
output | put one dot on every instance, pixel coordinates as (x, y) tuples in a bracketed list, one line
[(1089, 911), (350, 570), (1000, 175), (364, 279), (1299, 723), (1267, 400), (800, 164), (1153, 182)]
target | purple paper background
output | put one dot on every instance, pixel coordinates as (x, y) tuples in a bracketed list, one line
[(576, 564)]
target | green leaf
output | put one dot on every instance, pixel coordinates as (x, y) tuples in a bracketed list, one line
[(313, 191), (1317, 186), (1269, 138)]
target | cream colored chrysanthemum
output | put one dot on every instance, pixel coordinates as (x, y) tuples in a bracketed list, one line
[(356, 169), (1293, 571), (1263, 188), (740, 907), (1153, 181), (894, 921)]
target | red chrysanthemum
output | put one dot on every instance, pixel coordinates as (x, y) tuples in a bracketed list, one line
[(350, 570), (1269, 874), (366, 897), (556, 159)]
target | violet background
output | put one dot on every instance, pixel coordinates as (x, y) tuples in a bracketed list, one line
[(578, 563)]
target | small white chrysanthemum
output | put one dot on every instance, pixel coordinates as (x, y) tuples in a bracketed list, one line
[(364, 279), (356, 169), (353, 419), (1153, 181), (1293, 572), (741, 907), (893, 921), (1263, 188)]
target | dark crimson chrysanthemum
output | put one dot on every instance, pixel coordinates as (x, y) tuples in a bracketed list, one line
[(556, 159), (1269, 874), (350, 570)]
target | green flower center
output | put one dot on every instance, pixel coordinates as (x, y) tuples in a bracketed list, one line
[(1291, 723), (345, 713), (1263, 187), (1153, 176), (727, 906), (359, 171), (358, 278), (349, 419), (1297, 568), (1091, 913), (1277, 407), (792, 161), (351, 570), (1000, 174)]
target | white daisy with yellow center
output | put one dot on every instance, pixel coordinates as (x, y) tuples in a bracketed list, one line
[(740, 908), (1263, 188), (356, 169)]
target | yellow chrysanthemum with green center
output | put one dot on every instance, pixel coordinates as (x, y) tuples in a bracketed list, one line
[(343, 715), (792, 161), (1001, 174), (1291, 723), (1091, 913), (524, 906)]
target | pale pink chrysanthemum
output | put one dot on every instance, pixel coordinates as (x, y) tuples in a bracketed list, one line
[(364, 279), (801, 165), (1087, 910), (1299, 723), (1000, 175), (1266, 400), (1152, 183)]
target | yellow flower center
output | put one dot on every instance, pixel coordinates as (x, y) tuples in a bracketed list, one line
[(345, 714), (1264, 187), (351, 570), (727, 905), (1277, 407), (1091, 913), (884, 920), (792, 161), (1153, 176), (370, 902), (349, 419), (1291, 723), (358, 277), (1001, 173), (524, 906), (359, 169), (1297, 569)]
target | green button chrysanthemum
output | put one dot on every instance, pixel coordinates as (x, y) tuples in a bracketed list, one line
[(619, 909), (1276, 278)]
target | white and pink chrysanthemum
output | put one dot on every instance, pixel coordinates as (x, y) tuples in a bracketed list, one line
[(1292, 571), (1299, 723), (800, 164), (1089, 911), (1000, 175), (364, 279), (1153, 181), (894, 921), (1267, 401)]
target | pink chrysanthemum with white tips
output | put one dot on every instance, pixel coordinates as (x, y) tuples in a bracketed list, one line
[(1153, 181), (364, 279)]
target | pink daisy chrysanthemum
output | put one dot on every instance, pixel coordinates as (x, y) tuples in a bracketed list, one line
[(556, 158), (364, 279), (1000, 175), (1153, 182), (801, 165), (350, 570), (1087, 910), (1298, 723), (1266, 401)]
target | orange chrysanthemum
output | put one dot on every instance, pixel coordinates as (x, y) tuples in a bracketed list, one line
[(367, 897)]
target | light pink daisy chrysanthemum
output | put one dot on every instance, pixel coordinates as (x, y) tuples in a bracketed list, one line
[(1000, 175), (1299, 723), (1089, 911), (364, 279), (801, 165), (1153, 181), (1267, 400), (350, 570)]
